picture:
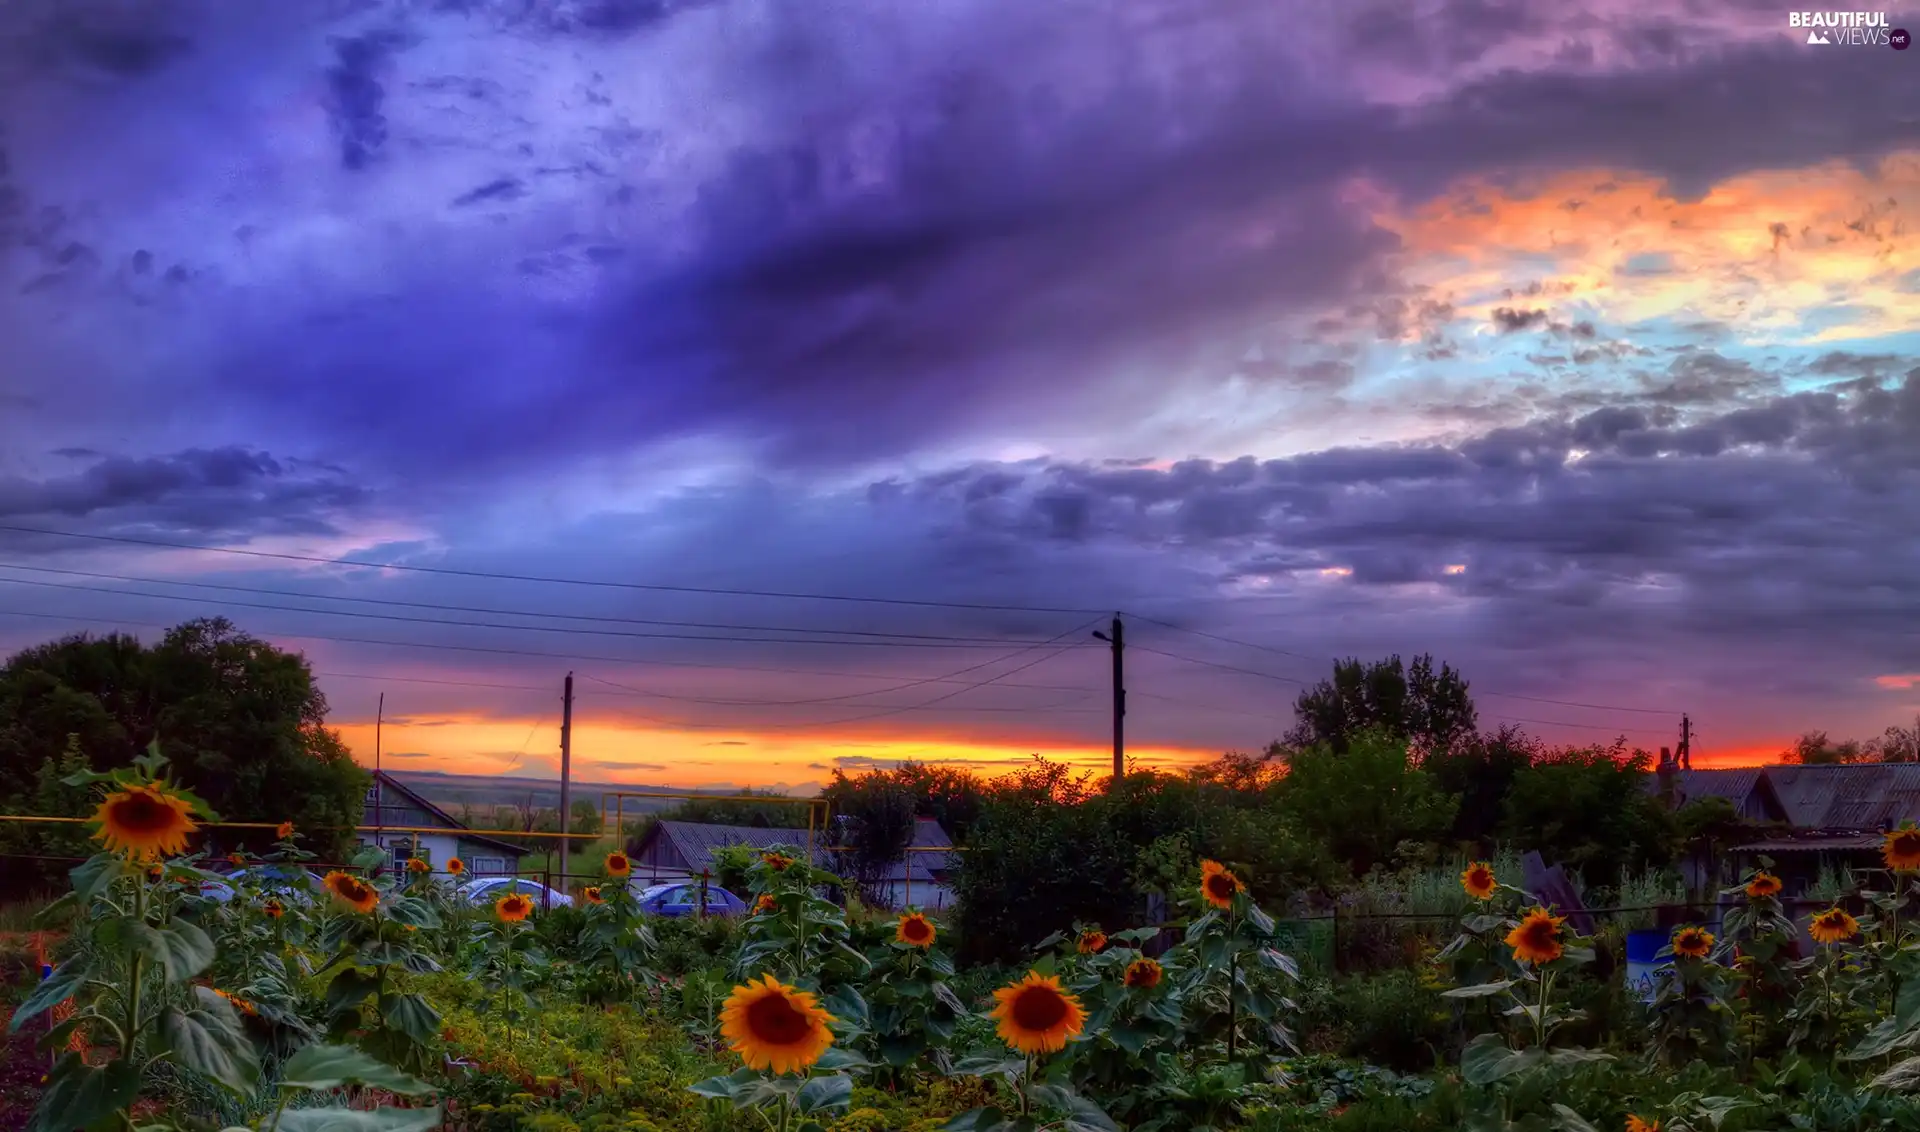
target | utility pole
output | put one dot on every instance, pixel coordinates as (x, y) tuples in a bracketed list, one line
[(1686, 743), (379, 795), (566, 775), (1116, 637)]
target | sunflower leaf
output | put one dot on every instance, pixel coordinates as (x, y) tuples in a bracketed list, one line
[(848, 1008), (988, 1119), (825, 1094), (208, 1040), (79, 1095), (1479, 990), (1567, 1120), (410, 1014), (53, 990), (1487, 1059), (352, 1120), (181, 950), (330, 1066)]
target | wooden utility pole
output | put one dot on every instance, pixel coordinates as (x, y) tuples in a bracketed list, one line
[(566, 776), (379, 795), (1116, 638), (1686, 743)]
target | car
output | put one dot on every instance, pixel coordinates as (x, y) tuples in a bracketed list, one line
[(284, 881), (683, 899), (489, 889)]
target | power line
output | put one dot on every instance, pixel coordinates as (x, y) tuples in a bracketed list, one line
[(445, 608), (1322, 659), (934, 643), (624, 660), (543, 579), (1216, 664), (1587, 726)]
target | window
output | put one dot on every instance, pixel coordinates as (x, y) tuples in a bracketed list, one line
[(488, 866), (401, 851)]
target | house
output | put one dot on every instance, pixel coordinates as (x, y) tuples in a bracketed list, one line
[(1750, 790), (1839, 815), (681, 850), (392, 804)]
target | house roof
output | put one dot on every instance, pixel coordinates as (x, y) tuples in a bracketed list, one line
[(696, 842), (388, 782), (1854, 796), (1736, 784), (1818, 843)]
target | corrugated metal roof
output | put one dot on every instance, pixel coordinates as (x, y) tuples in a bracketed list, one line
[(696, 842), (1843, 842), (1859, 796), (1731, 783)]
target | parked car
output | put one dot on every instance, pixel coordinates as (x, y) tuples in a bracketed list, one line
[(683, 898), (489, 889), (298, 885)]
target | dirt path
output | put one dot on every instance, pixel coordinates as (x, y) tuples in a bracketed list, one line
[(21, 1067)]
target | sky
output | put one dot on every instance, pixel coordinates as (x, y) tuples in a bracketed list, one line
[(1573, 342)]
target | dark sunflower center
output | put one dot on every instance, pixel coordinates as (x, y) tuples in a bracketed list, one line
[(1039, 1008), (1907, 844), (1141, 975), (1220, 886), (917, 930), (1480, 878), (143, 813), (1538, 934), (774, 1020)]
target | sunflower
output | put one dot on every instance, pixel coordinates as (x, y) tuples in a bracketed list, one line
[(1833, 926), (1635, 1124), (416, 866), (513, 907), (1218, 885), (765, 905), (1692, 942), (455, 866), (619, 864), (1036, 1015), (775, 1026), (240, 1004), (1478, 881), (283, 831), (1092, 942), (1902, 849), (1762, 886), (1537, 938), (145, 822), (273, 909), (236, 860), (1142, 974), (593, 895), (914, 930), (155, 872), (778, 862), (350, 890)]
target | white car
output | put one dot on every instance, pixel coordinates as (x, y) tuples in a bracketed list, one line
[(489, 889)]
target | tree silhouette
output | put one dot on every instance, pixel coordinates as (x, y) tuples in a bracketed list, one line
[(1431, 710)]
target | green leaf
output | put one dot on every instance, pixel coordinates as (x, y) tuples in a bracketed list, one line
[(1567, 1120), (410, 1014), (1487, 1059), (349, 1120), (839, 1057), (988, 1119), (52, 991), (1903, 1077), (987, 1066), (330, 1066), (1481, 990), (825, 1094), (181, 950), (848, 1008), (1573, 1055), (349, 988), (79, 1095), (96, 875), (728, 1087), (207, 1038)]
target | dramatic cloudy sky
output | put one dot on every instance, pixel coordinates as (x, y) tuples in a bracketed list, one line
[(1574, 341)]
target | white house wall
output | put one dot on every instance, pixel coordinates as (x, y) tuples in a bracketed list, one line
[(479, 858)]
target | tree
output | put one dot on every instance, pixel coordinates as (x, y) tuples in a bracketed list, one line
[(1480, 772), (1368, 801), (1815, 749), (1431, 710), (1589, 809), (240, 721)]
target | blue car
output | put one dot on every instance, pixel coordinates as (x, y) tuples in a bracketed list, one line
[(684, 899)]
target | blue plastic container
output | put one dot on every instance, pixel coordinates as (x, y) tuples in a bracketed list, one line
[(1643, 947)]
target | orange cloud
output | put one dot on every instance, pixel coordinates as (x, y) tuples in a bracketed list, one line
[(1898, 682), (1761, 250), (612, 752)]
